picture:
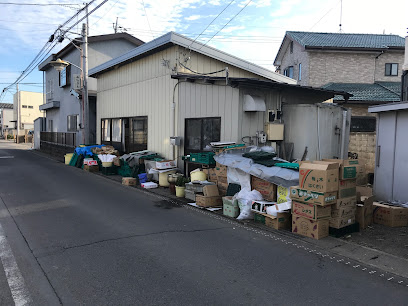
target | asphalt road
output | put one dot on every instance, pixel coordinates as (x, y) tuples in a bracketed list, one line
[(79, 238)]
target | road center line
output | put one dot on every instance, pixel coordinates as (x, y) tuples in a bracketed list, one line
[(9, 156), (15, 280)]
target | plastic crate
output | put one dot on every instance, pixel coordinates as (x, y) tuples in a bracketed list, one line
[(206, 158), (109, 170)]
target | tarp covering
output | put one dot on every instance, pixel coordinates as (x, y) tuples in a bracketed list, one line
[(276, 175), (86, 150)]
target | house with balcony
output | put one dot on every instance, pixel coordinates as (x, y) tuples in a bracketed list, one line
[(368, 66), (64, 121)]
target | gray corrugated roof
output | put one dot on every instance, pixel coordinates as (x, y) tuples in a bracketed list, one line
[(343, 40), (180, 40), (379, 92), (6, 105)]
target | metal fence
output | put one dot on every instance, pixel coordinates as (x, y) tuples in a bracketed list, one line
[(57, 143)]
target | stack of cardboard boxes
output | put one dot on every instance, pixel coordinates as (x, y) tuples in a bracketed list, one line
[(344, 210), (312, 200), (218, 175)]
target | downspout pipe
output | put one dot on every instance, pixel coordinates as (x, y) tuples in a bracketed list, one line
[(173, 117)]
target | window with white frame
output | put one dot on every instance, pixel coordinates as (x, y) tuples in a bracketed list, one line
[(72, 123)]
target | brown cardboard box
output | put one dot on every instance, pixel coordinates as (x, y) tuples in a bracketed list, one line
[(281, 221), (116, 161), (311, 211), (364, 209), (344, 203), (211, 175), (392, 216), (309, 228), (313, 197), (348, 168), (220, 170), (129, 181), (210, 197), (94, 168), (342, 221), (319, 176), (364, 191), (347, 188), (268, 190), (348, 211), (222, 180)]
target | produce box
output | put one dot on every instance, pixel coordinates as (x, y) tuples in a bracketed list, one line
[(210, 198), (260, 206), (364, 208), (166, 164), (392, 216), (311, 211), (230, 207), (309, 228), (197, 187), (347, 188), (348, 211), (281, 221), (283, 194), (189, 194), (211, 175), (345, 203), (313, 197), (128, 181), (348, 167), (341, 222), (267, 189), (319, 176), (220, 170), (206, 158)]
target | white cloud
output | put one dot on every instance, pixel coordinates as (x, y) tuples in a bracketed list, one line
[(214, 2), (193, 17), (285, 8)]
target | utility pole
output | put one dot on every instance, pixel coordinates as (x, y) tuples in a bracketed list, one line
[(116, 26), (85, 99), (18, 112)]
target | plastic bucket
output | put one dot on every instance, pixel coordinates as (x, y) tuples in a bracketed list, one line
[(142, 178), (198, 176), (107, 164), (180, 191), (68, 158)]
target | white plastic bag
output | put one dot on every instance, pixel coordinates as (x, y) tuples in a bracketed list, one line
[(275, 209), (245, 198)]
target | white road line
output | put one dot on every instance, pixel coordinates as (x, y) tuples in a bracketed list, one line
[(7, 156), (15, 280)]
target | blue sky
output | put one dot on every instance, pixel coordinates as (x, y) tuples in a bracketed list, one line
[(254, 35)]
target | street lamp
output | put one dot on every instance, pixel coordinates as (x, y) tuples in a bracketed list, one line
[(60, 65)]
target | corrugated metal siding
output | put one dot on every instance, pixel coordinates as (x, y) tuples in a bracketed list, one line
[(145, 88)]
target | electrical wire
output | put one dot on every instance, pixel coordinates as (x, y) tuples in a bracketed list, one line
[(105, 13), (39, 4), (227, 23), (144, 8), (202, 73), (211, 23)]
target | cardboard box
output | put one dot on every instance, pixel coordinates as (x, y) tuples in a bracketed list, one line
[(348, 168), (149, 185), (93, 168), (348, 211), (210, 198), (281, 221), (364, 212), (220, 170), (309, 228), (268, 190), (319, 176), (211, 175), (313, 197), (392, 216), (346, 202), (190, 195), (260, 206), (230, 207), (166, 164), (222, 180), (364, 191), (128, 181), (283, 194), (347, 188), (342, 221), (311, 211), (116, 161)]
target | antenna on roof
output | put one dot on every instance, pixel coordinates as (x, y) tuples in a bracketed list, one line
[(341, 15)]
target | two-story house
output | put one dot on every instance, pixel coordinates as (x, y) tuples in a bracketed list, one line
[(63, 94), (366, 65)]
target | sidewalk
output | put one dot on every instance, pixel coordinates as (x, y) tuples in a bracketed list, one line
[(378, 246)]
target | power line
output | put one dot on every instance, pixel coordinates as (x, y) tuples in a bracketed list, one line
[(38, 4), (144, 8), (227, 23), (211, 23), (105, 13)]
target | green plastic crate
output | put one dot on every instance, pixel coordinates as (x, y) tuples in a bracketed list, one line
[(206, 158)]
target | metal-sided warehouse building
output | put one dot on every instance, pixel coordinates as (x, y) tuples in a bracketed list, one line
[(174, 86)]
